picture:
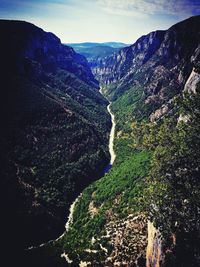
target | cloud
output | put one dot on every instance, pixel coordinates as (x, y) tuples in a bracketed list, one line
[(141, 8)]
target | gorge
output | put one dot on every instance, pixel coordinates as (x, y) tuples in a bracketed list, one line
[(54, 145)]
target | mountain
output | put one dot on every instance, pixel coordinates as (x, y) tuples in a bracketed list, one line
[(95, 52), (145, 210), (156, 66), (115, 44), (92, 44), (54, 133)]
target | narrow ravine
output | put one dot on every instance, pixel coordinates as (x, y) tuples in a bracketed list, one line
[(112, 159)]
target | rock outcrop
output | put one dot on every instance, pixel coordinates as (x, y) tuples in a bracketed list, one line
[(192, 84), (154, 252), (142, 85)]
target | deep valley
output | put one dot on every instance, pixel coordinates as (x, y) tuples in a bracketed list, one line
[(131, 149)]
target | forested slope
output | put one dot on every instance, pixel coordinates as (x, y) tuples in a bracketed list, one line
[(54, 133)]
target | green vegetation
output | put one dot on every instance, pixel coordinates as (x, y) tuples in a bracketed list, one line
[(175, 176), (156, 172), (54, 144), (119, 193), (54, 134)]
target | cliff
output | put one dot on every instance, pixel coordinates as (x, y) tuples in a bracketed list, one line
[(157, 64), (178, 242), (128, 59), (154, 251)]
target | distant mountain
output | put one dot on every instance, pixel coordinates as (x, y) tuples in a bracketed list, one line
[(92, 44), (116, 44), (95, 52), (54, 132)]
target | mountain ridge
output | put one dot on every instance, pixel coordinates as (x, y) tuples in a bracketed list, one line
[(90, 44)]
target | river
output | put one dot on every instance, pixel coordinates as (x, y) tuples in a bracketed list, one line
[(107, 168), (112, 136), (112, 159)]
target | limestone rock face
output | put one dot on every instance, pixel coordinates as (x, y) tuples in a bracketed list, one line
[(159, 113), (154, 253), (192, 84), (159, 63), (129, 59)]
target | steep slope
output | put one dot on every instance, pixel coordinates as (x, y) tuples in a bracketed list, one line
[(155, 178), (175, 174), (155, 68), (142, 86), (54, 132)]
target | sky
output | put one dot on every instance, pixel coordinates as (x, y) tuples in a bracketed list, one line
[(100, 20)]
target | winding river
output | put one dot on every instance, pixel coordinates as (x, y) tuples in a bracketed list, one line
[(112, 136), (112, 159)]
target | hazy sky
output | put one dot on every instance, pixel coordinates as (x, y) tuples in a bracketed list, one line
[(100, 20)]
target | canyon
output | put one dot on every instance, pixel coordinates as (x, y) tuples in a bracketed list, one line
[(56, 143)]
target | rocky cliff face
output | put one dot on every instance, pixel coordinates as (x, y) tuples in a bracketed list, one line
[(129, 59), (159, 63), (154, 252), (54, 132), (192, 84)]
